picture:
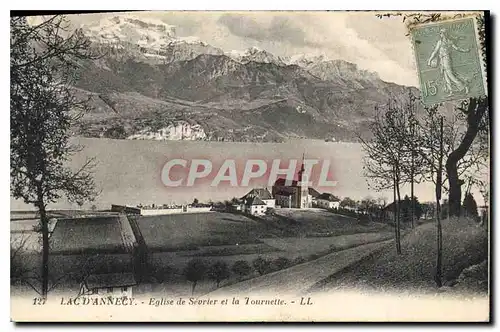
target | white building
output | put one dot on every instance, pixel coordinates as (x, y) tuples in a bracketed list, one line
[(254, 206), (327, 201), (263, 194), (108, 284)]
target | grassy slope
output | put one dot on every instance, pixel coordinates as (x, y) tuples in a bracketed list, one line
[(189, 231), (318, 222), (464, 244)]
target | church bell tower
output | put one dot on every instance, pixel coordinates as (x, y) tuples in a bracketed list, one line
[(303, 188)]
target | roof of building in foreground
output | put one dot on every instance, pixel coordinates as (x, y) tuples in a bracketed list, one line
[(329, 197), (261, 193), (313, 192), (92, 234), (254, 200), (104, 280)]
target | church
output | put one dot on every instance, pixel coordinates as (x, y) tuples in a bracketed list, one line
[(296, 195), (293, 195)]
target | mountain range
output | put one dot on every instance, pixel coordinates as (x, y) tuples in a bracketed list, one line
[(152, 84)]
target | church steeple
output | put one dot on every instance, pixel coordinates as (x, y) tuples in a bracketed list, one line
[(303, 188), (301, 171)]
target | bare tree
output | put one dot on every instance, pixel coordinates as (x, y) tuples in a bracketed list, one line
[(44, 58), (387, 156)]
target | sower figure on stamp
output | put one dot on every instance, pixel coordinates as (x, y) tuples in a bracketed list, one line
[(443, 53)]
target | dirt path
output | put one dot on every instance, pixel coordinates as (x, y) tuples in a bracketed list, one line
[(299, 278)]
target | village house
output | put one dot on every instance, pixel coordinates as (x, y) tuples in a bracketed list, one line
[(254, 206), (108, 284), (313, 194), (389, 211), (327, 201), (263, 194)]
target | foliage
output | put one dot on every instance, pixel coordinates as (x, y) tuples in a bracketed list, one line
[(17, 248), (406, 206), (195, 270), (116, 132), (470, 205), (219, 271), (241, 268), (299, 260), (161, 273), (261, 265), (347, 202), (281, 263)]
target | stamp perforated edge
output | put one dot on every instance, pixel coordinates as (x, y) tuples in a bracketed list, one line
[(445, 19)]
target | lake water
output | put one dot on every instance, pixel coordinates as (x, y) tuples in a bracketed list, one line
[(129, 172)]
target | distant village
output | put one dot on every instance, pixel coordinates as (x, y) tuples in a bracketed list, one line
[(257, 202), (295, 194)]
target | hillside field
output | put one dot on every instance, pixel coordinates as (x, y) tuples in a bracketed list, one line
[(465, 243)]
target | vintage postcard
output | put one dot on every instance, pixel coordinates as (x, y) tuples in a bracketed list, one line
[(281, 166)]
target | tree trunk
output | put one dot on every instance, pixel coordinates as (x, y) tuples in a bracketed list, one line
[(45, 250), (412, 175), (412, 194), (395, 211), (455, 192), (475, 112), (439, 232), (439, 238), (192, 288), (398, 220)]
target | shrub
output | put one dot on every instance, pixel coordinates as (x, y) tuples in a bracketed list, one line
[(261, 265), (299, 260), (219, 271), (161, 273), (195, 271), (241, 268), (281, 263)]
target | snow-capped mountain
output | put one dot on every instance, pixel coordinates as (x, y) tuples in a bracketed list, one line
[(255, 54), (148, 33), (326, 69), (305, 60), (145, 39)]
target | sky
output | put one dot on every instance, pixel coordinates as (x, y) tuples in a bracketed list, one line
[(379, 45)]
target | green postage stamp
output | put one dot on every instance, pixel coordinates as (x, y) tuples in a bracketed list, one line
[(448, 60)]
